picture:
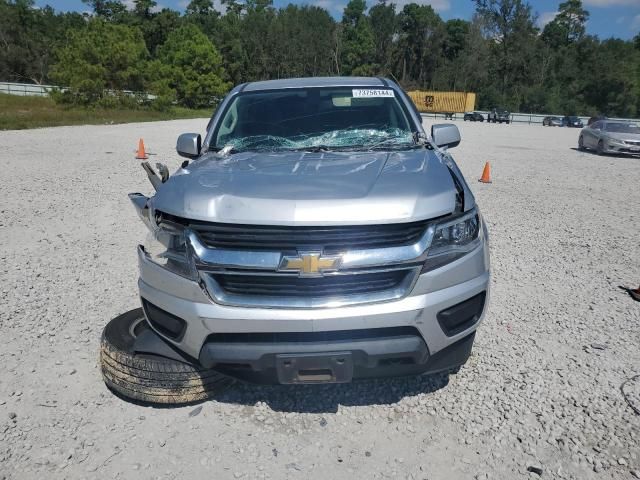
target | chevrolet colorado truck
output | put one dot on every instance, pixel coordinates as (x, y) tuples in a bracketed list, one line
[(315, 234)]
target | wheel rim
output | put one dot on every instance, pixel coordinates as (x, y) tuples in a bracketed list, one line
[(136, 327)]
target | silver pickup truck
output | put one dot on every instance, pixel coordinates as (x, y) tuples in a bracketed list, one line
[(318, 234)]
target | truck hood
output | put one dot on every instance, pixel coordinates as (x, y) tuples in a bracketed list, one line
[(302, 188)]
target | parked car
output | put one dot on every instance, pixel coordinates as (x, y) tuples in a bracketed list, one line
[(295, 249), (611, 136), (572, 121), (596, 118), (551, 122), (473, 117), (498, 115)]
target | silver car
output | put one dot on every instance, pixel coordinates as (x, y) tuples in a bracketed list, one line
[(552, 122), (317, 235), (611, 136)]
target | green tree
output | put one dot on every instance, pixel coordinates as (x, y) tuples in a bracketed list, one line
[(384, 26), (189, 67), (300, 42), (256, 23), (229, 38), (200, 8), (457, 32), (421, 40), (157, 28), (100, 56), (27, 38), (112, 10), (358, 43), (144, 8), (204, 15), (466, 57), (510, 24), (568, 26)]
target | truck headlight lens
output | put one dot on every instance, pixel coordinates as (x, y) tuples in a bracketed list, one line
[(167, 248), (453, 239)]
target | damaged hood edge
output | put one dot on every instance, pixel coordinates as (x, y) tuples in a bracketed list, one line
[(302, 188)]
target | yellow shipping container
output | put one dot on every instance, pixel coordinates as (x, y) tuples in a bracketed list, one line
[(444, 102)]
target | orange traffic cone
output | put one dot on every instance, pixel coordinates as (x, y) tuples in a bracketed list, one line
[(486, 174), (141, 154)]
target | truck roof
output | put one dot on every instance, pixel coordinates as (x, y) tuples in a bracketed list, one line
[(316, 82)]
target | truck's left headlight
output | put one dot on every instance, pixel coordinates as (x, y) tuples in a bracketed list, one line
[(168, 249), (453, 239)]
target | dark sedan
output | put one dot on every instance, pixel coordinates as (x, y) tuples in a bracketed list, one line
[(551, 122), (473, 117), (572, 121)]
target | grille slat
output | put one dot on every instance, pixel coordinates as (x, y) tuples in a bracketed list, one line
[(335, 285), (288, 238)]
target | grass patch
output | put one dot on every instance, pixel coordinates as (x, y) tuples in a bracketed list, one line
[(17, 113)]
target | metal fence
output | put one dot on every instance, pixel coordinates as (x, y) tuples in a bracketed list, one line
[(32, 90), (529, 118), (26, 89)]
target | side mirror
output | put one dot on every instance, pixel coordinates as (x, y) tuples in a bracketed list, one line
[(445, 135), (189, 145)]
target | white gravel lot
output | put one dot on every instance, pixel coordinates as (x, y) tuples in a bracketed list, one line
[(542, 388)]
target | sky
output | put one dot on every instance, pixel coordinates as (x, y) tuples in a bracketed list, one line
[(609, 18)]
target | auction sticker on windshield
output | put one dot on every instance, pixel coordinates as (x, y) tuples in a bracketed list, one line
[(371, 92)]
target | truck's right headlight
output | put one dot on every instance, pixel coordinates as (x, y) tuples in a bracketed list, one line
[(453, 239), (167, 248)]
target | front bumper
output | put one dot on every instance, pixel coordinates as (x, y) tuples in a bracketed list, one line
[(433, 292), (621, 149)]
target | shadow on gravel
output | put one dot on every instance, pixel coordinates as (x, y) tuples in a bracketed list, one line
[(327, 398), (605, 155)]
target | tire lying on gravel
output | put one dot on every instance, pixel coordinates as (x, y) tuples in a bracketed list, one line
[(151, 378)]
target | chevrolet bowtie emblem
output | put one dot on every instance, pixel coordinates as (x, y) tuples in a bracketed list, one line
[(310, 264)]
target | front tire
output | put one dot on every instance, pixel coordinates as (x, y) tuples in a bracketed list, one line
[(600, 148), (581, 143), (151, 378)]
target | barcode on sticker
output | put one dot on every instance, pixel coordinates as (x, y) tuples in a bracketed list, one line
[(371, 92)]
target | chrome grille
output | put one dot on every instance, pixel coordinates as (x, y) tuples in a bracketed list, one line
[(242, 265)]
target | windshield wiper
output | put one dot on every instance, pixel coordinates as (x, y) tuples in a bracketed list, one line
[(397, 146), (311, 148), (392, 144)]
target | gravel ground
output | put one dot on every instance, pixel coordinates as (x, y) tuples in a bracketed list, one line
[(542, 389)]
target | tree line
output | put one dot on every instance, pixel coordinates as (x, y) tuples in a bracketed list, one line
[(193, 58)]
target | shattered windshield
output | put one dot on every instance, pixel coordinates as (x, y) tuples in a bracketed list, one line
[(314, 119)]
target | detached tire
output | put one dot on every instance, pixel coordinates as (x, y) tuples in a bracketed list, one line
[(151, 378)]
